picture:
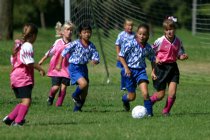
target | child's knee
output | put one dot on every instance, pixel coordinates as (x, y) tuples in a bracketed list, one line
[(131, 96)]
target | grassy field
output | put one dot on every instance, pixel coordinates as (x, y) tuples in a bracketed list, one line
[(103, 116)]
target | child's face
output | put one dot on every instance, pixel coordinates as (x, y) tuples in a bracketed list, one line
[(85, 35), (169, 32), (67, 32), (128, 26), (142, 35)]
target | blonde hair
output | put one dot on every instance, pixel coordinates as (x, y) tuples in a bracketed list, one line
[(59, 27), (128, 20), (29, 29), (169, 23)]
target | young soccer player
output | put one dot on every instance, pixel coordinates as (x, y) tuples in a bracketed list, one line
[(132, 57), (22, 74), (81, 51), (60, 79), (168, 49), (123, 36)]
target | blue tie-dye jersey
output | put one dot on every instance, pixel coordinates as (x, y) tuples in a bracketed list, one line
[(135, 55), (80, 54), (124, 36)]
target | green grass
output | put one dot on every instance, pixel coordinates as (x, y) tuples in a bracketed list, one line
[(103, 116)]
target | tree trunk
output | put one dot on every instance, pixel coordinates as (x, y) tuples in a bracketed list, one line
[(6, 19), (42, 18)]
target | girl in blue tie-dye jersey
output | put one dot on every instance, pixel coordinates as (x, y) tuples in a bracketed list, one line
[(122, 37), (132, 56), (81, 51)]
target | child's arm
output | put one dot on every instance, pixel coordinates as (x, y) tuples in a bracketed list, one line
[(153, 75), (60, 60), (42, 60), (127, 70), (39, 68), (118, 51)]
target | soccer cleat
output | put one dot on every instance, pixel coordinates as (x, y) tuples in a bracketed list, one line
[(77, 101), (166, 114), (17, 124), (123, 89), (126, 106), (50, 101), (7, 120)]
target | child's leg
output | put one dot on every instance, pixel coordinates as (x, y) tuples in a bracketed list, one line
[(171, 97), (54, 89), (147, 102), (23, 109), (157, 96), (61, 95), (11, 117), (82, 86), (127, 98), (14, 112), (123, 86), (82, 101)]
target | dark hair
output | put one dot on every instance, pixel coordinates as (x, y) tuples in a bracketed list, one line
[(143, 25), (85, 26)]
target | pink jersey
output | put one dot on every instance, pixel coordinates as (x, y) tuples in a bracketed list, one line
[(166, 51), (21, 74), (55, 52)]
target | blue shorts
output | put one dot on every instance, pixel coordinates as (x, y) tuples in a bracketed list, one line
[(119, 65), (78, 71), (137, 76)]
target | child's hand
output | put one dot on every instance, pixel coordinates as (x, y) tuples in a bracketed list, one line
[(153, 75), (93, 62), (183, 57), (42, 72), (58, 67), (127, 72), (157, 61)]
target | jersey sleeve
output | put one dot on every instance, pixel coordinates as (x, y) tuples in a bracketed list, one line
[(151, 54), (95, 54), (156, 44), (26, 53), (181, 49)]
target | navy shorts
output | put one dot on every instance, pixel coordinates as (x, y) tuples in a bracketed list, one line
[(165, 73), (137, 76), (78, 71), (57, 81), (23, 92), (119, 65)]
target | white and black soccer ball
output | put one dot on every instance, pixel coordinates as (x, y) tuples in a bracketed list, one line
[(139, 112)]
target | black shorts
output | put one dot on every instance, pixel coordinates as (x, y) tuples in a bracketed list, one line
[(57, 81), (23, 92), (165, 73)]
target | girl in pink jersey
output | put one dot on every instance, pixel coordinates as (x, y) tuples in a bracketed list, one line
[(60, 79), (168, 49), (22, 74)]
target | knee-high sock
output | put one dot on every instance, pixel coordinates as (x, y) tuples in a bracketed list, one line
[(148, 106), (154, 98), (125, 98), (14, 112), (61, 97), (21, 113), (169, 103), (77, 92), (122, 80), (52, 92)]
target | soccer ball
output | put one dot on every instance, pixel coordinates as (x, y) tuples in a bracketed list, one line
[(139, 112)]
